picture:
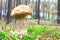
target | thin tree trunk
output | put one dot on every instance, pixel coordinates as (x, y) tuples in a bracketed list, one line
[(0, 14), (43, 14), (19, 2), (48, 15), (26, 2), (1, 10), (58, 19), (52, 15), (9, 10), (37, 8)]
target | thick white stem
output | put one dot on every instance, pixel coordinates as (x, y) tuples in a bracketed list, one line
[(21, 26)]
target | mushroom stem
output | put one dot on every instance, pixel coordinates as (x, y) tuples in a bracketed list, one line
[(21, 26)]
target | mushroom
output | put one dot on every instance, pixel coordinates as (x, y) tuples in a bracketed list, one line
[(19, 13)]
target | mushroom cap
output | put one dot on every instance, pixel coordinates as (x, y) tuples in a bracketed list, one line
[(21, 10)]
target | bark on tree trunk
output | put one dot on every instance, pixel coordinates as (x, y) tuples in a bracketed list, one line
[(58, 19), (0, 14), (9, 11), (37, 8), (1, 10), (48, 15), (52, 15), (26, 2), (18, 2), (43, 14)]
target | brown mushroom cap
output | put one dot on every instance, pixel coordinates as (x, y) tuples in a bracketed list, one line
[(21, 10)]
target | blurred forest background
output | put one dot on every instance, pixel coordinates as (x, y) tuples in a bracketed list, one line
[(45, 11)]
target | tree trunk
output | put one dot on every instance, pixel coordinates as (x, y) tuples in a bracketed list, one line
[(9, 11), (26, 2), (0, 14), (1, 10), (43, 14), (48, 15), (37, 8), (52, 15), (18, 2), (58, 19)]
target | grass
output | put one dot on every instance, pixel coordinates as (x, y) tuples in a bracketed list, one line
[(33, 32)]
